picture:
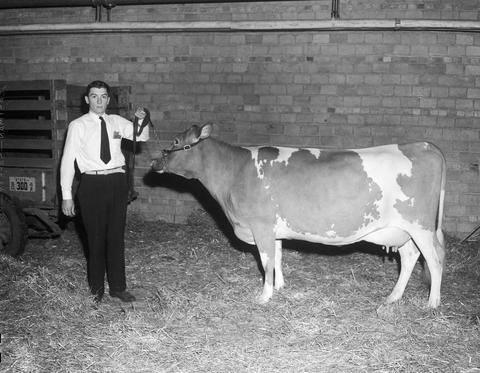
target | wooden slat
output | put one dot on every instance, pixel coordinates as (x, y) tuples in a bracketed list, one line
[(59, 90), (27, 124), (20, 85), (27, 162), (26, 105), (27, 144)]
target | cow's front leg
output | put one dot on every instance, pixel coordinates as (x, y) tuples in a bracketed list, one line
[(266, 247), (279, 281)]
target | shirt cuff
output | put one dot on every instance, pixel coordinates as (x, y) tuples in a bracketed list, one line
[(66, 194)]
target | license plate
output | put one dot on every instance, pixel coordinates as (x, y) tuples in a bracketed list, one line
[(22, 184)]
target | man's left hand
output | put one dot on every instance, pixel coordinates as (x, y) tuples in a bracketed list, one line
[(140, 113)]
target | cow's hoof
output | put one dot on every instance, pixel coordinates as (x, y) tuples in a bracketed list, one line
[(263, 299), (391, 300), (434, 303), (279, 286)]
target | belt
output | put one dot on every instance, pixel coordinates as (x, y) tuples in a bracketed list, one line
[(106, 172)]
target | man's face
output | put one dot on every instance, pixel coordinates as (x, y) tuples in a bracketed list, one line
[(97, 100)]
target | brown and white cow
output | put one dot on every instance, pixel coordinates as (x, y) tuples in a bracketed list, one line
[(390, 195)]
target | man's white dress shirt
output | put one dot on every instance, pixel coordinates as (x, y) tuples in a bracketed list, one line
[(83, 145)]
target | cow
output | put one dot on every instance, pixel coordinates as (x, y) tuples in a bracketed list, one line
[(390, 195)]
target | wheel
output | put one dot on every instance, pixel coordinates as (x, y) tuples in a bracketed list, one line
[(13, 227)]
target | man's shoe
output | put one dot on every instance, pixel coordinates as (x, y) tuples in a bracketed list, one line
[(124, 296), (97, 298)]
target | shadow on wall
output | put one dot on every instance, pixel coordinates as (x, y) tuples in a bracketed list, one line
[(202, 195), (208, 203)]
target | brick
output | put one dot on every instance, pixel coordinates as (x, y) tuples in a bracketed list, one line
[(409, 79), (363, 142), (401, 50), (473, 51), (473, 93), (428, 102), (346, 49), (391, 101), (410, 102), (356, 119), (374, 38), (419, 50), (331, 78), (457, 92), (354, 79), (464, 39), (391, 79), (421, 91), (372, 79), (357, 38), (446, 103), (439, 91), (456, 50), (403, 91), (285, 100), (352, 101), (329, 89), (462, 104), (322, 38), (371, 101), (437, 50), (329, 49), (472, 70)]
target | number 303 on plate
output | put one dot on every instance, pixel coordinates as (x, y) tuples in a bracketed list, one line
[(22, 184)]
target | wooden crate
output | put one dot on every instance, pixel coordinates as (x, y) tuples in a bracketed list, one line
[(33, 115), (33, 122)]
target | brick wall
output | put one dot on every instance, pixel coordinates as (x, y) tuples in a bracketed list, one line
[(325, 89)]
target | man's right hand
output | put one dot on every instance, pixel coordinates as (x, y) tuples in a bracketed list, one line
[(68, 207)]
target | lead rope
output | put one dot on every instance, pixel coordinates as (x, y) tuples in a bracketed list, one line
[(132, 193)]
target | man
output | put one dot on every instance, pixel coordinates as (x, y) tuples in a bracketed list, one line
[(93, 141)]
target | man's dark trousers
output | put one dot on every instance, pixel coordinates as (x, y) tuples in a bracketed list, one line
[(103, 207)]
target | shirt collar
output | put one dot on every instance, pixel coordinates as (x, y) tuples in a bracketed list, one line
[(95, 116)]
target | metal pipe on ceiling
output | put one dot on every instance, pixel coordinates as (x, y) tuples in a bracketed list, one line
[(13, 4), (241, 26), (16, 4)]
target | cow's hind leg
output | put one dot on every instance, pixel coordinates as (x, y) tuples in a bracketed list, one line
[(408, 258), (266, 247), (279, 281), (434, 253), (440, 248)]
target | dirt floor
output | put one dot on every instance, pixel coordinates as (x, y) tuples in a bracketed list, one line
[(196, 311)]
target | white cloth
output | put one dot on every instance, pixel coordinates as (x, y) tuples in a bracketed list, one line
[(83, 145)]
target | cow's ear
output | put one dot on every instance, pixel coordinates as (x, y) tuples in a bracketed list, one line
[(206, 130)]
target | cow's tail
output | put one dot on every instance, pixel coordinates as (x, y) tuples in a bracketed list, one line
[(441, 202)]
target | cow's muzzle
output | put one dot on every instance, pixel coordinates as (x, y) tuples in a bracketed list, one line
[(159, 164)]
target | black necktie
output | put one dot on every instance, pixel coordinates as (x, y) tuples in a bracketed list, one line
[(104, 144)]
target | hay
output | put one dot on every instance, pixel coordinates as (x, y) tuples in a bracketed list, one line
[(196, 286)]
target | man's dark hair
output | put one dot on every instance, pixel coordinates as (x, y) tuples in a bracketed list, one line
[(97, 84)]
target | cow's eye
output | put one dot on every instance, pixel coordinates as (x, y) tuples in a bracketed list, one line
[(176, 142)]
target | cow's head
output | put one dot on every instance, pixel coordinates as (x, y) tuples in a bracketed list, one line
[(183, 157)]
